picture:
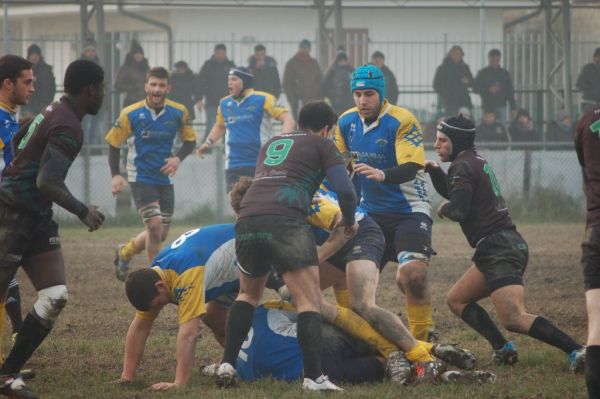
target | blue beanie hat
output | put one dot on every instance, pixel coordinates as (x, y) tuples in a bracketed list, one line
[(368, 77), (245, 75)]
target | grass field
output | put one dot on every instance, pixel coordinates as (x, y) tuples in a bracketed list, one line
[(83, 354)]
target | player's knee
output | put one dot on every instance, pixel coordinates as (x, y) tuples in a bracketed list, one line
[(361, 307), (51, 302), (413, 276), (151, 214), (512, 322), (453, 303)]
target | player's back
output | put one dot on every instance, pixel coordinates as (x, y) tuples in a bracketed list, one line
[(289, 170)]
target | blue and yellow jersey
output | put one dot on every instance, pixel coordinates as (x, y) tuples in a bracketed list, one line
[(393, 139), (9, 125), (198, 267), (248, 126), (150, 137)]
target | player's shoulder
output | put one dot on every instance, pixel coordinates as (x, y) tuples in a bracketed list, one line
[(263, 94), (180, 108), (133, 107), (402, 115), (347, 117)]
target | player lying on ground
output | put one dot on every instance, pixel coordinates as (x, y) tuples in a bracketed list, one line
[(501, 254)]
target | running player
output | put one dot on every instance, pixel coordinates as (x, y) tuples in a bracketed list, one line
[(245, 115), (272, 232), (16, 88), (387, 144), (501, 254), (150, 127), (587, 144), (35, 179)]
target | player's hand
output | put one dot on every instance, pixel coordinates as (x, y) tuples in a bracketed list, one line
[(93, 219), (369, 172), (171, 165), (202, 150), (163, 386), (117, 185), (350, 231), (429, 164), (439, 210)]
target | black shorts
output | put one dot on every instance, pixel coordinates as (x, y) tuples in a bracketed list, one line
[(590, 259), (272, 241), (233, 175), (25, 235), (410, 233), (368, 244), (502, 258), (144, 194)]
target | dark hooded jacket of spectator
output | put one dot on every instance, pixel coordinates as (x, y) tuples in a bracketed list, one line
[(588, 80), (302, 78), (391, 85), (131, 76), (212, 80), (451, 82), (182, 87), (561, 128), (45, 85), (336, 85), (266, 76), (491, 132), (500, 78), (522, 128)]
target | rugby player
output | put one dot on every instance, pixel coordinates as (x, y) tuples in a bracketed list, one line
[(152, 124), (245, 115), (16, 88), (35, 179), (272, 231), (587, 145), (501, 254), (387, 144)]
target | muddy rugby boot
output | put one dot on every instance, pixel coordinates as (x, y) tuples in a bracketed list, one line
[(507, 355), (455, 355)]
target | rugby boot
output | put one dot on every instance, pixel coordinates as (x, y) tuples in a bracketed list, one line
[(210, 370), (425, 373), (477, 376), (577, 360), (455, 355), (12, 385), (121, 265), (398, 369), (320, 384), (226, 376), (507, 355)]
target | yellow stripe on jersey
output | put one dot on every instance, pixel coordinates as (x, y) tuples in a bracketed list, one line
[(186, 131), (270, 105), (325, 212), (409, 138), (220, 119), (122, 128), (1, 144)]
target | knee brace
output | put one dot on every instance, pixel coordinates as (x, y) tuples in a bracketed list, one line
[(50, 302), (406, 257), (150, 212), (166, 218)]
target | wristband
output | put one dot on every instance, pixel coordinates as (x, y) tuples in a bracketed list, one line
[(208, 141)]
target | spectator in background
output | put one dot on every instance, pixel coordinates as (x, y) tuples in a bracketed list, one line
[(522, 129), (490, 129), (561, 128), (494, 84), (465, 112), (264, 69), (212, 84), (92, 123), (451, 82), (589, 82), (131, 76), (391, 86), (182, 87), (302, 78), (45, 86), (336, 85)]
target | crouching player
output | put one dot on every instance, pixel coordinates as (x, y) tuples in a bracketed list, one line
[(501, 254)]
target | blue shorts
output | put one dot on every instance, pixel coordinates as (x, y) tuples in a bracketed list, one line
[(368, 244), (404, 233)]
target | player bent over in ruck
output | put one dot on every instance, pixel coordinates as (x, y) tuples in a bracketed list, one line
[(272, 231), (501, 254), (45, 150)]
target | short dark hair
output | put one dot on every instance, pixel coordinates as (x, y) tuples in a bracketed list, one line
[(157, 72), (494, 53), (140, 288), (597, 51), (315, 115), (259, 47), (80, 74), (238, 191), (378, 54), (11, 67), (220, 46)]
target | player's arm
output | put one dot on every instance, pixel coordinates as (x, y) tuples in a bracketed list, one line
[(188, 138), (340, 183), (461, 193), (115, 138), (215, 134), (54, 165), (438, 178), (186, 348), (287, 122), (279, 113), (138, 333)]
